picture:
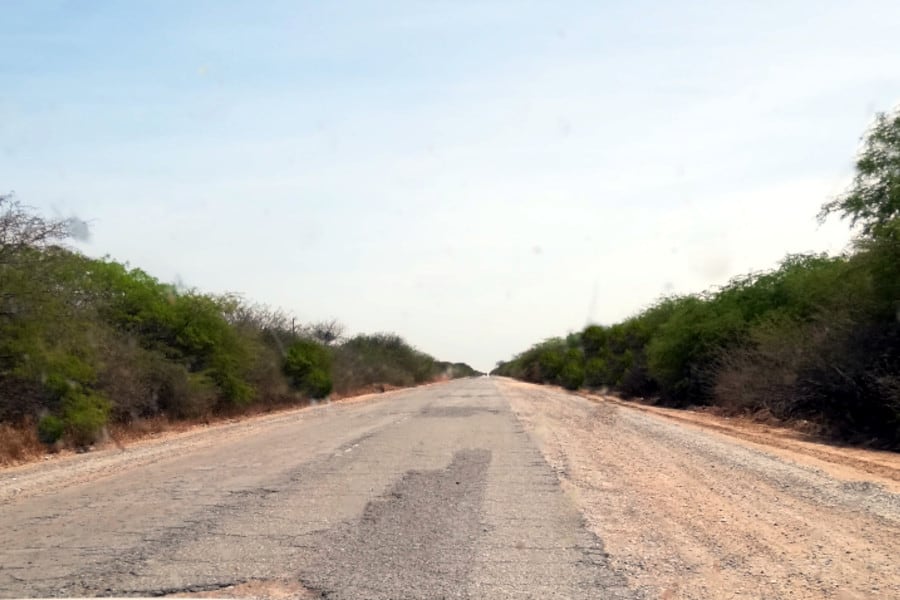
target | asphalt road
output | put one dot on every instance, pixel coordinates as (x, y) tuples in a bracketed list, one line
[(481, 488), (437, 492)]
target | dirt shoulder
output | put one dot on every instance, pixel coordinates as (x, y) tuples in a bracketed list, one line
[(692, 506), (846, 462)]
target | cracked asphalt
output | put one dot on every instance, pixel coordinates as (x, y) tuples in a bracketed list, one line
[(480, 488), (435, 492)]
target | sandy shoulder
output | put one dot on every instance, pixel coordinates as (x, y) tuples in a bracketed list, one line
[(689, 511)]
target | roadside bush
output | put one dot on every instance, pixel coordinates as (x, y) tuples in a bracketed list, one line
[(50, 429), (454, 370), (853, 383), (384, 358), (188, 395), (137, 379), (679, 355), (840, 374), (594, 341), (556, 361), (307, 365), (234, 391), (85, 415), (595, 373), (816, 339), (266, 376), (572, 374), (366, 359), (85, 341), (318, 384)]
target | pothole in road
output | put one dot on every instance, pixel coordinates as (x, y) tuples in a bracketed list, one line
[(259, 589), (456, 411), (411, 542)]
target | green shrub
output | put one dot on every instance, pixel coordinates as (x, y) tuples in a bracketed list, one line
[(75, 330), (85, 415), (317, 384), (307, 365), (572, 375), (234, 390), (595, 373), (594, 340), (50, 429)]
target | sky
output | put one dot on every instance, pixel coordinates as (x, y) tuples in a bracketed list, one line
[(475, 176)]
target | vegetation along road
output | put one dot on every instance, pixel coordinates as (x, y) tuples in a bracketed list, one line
[(476, 488)]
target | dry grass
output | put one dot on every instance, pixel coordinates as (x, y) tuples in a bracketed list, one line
[(121, 434), (19, 444)]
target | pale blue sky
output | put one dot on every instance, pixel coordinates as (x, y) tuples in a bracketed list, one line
[(475, 176)]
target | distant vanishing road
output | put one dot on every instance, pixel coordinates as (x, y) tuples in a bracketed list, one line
[(479, 488)]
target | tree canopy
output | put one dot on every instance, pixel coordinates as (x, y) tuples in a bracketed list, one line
[(873, 201)]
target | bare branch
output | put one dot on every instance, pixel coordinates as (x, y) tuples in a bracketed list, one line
[(326, 332), (21, 229)]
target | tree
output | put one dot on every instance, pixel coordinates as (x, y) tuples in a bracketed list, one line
[(326, 332), (21, 230), (873, 200)]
